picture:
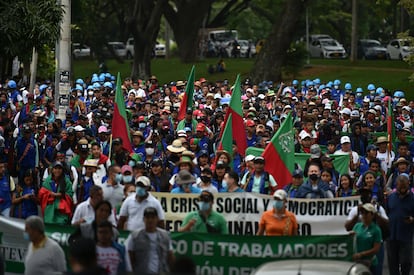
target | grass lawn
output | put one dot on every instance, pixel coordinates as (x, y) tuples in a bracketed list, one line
[(385, 73)]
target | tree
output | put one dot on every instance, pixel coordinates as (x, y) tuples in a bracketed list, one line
[(271, 58), (143, 20), (25, 25), (186, 17)]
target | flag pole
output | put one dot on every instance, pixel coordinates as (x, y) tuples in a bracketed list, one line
[(110, 147)]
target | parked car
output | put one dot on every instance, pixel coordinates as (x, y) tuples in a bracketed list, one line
[(80, 50), (159, 50), (399, 49), (327, 48), (130, 48), (304, 267), (118, 48), (314, 37), (371, 49), (247, 49)]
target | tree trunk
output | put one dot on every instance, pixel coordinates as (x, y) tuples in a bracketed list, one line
[(141, 67), (144, 23), (268, 65), (354, 34), (185, 24)]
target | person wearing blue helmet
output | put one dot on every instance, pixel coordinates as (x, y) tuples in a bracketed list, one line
[(348, 87), (380, 92), (95, 79), (13, 92), (371, 91), (336, 92), (359, 98), (89, 97)]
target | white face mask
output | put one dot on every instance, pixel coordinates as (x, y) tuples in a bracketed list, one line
[(90, 93), (149, 151), (79, 94)]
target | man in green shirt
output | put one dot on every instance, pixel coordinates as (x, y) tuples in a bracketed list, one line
[(206, 220)]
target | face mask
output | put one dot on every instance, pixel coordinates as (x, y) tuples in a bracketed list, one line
[(185, 186), (336, 87), (26, 236), (141, 191), (131, 193), (313, 177), (205, 178), (372, 92), (407, 116), (224, 184), (395, 100), (127, 178), (149, 151), (118, 178), (79, 94), (90, 93), (131, 163), (382, 94), (278, 205), (359, 95), (142, 125), (203, 206)]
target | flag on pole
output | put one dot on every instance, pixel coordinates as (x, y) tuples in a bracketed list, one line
[(187, 100), (234, 125), (390, 126), (120, 127), (279, 153)]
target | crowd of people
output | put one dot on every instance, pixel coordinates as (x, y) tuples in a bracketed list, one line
[(75, 172)]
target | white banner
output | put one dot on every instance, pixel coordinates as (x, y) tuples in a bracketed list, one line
[(244, 210)]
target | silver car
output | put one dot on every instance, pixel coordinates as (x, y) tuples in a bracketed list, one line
[(327, 48), (311, 267)]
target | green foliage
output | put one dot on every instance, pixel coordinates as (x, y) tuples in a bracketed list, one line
[(27, 24), (295, 60), (46, 66)]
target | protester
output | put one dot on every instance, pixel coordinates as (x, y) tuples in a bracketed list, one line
[(230, 183), (83, 258), (368, 238), (259, 181), (44, 255), (132, 209), (150, 248), (278, 221), (7, 188), (314, 187), (206, 220), (400, 207), (293, 187)]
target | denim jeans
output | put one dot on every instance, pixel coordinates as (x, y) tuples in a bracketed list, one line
[(399, 257)]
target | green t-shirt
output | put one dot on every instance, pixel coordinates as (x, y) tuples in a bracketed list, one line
[(215, 220), (366, 237)]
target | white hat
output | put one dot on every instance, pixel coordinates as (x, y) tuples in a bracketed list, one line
[(144, 180), (345, 139), (355, 113), (407, 108), (261, 96), (369, 207), (217, 96), (377, 107), (372, 111), (366, 100), (181, 133), (249, 158), (79, 128), (280, 194), (346, 111), (304, 135)]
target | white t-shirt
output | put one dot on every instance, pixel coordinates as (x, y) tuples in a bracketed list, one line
[(85, 211), (134, 211), (386, 160), (108, 258)]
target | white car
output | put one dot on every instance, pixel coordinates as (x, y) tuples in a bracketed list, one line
[(244, 48), (159, 50), (399, 49), (130, 48), (80, 50), (118, 49), (311, 267), (327, 48)]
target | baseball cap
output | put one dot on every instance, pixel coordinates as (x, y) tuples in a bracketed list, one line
[(369, 207), (250, 123), (150, 211), (143, 180), (280, 194), (346, 111), (304, 135), (249, 158), (126, 168), (345, 139), (297, 173), (315, 151)]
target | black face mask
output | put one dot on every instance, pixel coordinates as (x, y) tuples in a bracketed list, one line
[(205, 179), (313, 177)]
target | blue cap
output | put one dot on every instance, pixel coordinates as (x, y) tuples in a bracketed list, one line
[(298, 173), (12, 84)]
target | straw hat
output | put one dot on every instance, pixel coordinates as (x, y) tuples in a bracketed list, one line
[(176, 147)]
